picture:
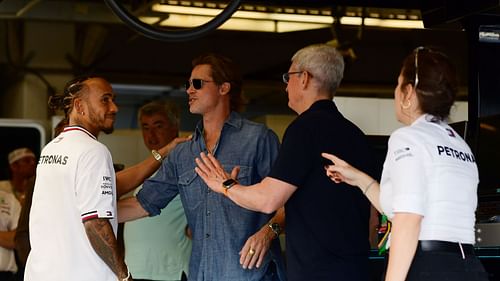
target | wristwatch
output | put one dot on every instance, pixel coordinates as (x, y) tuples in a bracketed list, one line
[(276, 228), (157, 155), (227, 184)]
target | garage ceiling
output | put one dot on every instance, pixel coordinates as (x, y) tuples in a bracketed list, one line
[(104, 45)]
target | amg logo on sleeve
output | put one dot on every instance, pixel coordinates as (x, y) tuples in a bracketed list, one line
[(106, 186)]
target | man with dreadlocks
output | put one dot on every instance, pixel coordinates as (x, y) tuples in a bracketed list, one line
[(73, 214)]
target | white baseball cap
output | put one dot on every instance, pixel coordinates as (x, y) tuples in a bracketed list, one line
[(19, 153)]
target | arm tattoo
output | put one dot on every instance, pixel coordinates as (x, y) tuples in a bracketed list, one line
[(103, 240)]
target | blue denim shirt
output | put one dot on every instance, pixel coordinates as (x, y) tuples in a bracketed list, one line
[(220, 227)]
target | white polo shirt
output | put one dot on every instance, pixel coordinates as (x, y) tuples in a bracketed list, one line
[(429, 170), (75, 181), (6, 186), (9, 215)]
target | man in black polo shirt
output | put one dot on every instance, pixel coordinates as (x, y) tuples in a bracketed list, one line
[(326, 223)]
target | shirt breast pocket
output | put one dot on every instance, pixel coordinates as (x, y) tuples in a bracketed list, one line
[(244, 176), (191, 189)]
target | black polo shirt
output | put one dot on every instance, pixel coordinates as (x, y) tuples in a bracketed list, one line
[(326, 223)]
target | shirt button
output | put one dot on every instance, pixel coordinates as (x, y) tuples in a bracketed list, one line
[(207, 235), (208, 213)]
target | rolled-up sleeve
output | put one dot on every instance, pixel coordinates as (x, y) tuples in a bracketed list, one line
[(159, 190)]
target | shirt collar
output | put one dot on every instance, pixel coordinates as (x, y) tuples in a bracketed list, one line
[(322, 104), (426, 118), (234, 120), (79, 128)]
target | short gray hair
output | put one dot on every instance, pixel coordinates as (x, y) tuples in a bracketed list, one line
[(168, 109), (324, 62)]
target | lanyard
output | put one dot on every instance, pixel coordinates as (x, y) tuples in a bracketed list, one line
[(384, 234)]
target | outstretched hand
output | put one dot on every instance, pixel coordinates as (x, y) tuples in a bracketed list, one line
[(341, 171), (212, 173)]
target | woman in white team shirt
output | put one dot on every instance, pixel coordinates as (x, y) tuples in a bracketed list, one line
[(429, 179)]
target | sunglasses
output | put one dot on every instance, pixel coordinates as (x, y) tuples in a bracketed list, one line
[(196, 83), (417, 50), (286, 76)]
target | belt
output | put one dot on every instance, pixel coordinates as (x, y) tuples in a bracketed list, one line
[(444, 246)]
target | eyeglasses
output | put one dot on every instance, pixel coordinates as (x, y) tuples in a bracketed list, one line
[(196, 83), (286, 76), (418, 49)]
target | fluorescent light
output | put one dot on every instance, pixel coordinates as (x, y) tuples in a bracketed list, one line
[(284, 17), (415, 24), (231, 24), (150, 20), (389, 23), (240, 14), (182, 16), (283, 26), (185, 10), (176, 20)]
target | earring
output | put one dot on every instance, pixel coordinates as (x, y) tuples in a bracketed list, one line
[(403, 106)]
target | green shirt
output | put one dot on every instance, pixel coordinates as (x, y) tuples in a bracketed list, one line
[(157, 248)]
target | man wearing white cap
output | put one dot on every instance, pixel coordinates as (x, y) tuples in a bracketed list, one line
[(12, 194), (22, 164)]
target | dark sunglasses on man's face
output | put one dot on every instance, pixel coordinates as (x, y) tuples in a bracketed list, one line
[(196, 83)]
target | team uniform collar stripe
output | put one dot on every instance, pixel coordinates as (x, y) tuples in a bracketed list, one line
[(78, 128)]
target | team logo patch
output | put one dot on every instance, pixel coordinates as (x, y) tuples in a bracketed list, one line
[(402, 153), (456, 154), (4, 207), (106, 185), (53, 160)]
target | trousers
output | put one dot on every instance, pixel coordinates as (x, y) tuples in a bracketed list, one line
[(437, 261)]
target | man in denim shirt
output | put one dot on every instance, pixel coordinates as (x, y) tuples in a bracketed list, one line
[(220, 228), (327, 223)]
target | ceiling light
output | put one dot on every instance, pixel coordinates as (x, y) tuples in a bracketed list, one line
[(178, 20), (150, 20), (184, 16)]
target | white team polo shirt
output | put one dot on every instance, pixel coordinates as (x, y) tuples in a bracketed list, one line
[(75, 181), (429, 170), (10, 209)]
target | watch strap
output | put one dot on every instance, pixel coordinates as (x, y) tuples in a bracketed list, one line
[(156, 155)]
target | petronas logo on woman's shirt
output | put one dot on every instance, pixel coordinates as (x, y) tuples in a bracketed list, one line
[(460, 155)]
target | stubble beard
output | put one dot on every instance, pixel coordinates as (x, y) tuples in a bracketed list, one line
[(101, 122), (108, 130)]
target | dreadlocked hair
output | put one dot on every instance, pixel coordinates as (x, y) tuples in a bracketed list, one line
[(72, 90)]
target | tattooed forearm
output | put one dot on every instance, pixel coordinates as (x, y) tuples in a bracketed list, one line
[(103, 240)]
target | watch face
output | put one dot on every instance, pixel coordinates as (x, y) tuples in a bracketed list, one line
[(156, 155), (276, 228), (228, 183)]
